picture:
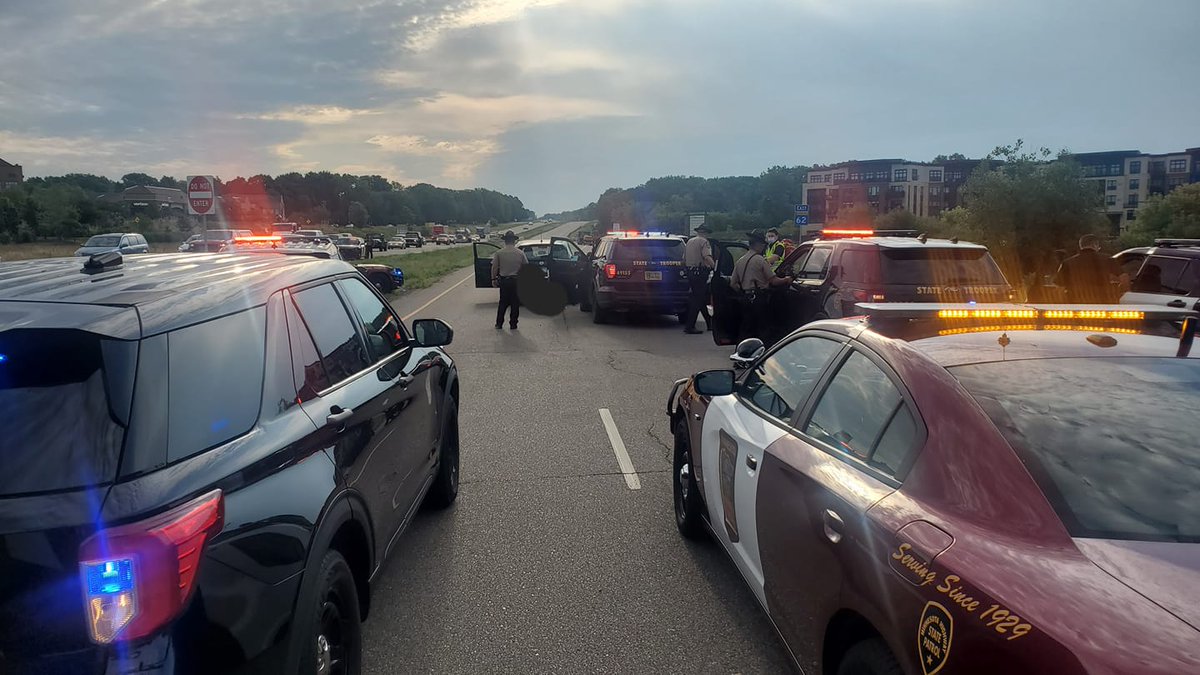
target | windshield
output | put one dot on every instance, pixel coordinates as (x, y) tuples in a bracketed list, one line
[(1112, 441), (104, 240), (655, 250), (47, 376), (939, 266)]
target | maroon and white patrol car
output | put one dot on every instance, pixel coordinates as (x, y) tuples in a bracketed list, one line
[(959, 488)]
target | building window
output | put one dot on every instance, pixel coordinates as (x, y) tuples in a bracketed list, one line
[(814, 178), (935, 190), (956, 175), (839, 176), (1135, 166), (873, 191), (1114, 170), (1157, 166), (1112, 184), (1131, 215), (1135, 183), (855, 176), (935, 175), (1173, 183), (847, 205), (901, 175), (916, 174), (898, 189), (1178, 166), (1132, 202), (1110, 200)]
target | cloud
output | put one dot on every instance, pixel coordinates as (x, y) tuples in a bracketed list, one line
[(41, 150), (312, 114)]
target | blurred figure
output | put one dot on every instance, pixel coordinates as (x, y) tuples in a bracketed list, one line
[(698, 259), (1090, 277)]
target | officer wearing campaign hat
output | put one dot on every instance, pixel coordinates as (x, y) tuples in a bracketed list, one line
[(506, 263), (698, 259), (752, 280)]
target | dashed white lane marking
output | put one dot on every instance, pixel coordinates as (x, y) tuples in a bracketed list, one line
[(618, 446), (420, 309)]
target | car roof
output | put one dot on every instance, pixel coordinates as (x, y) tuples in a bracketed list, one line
[(169, 290), (902, 242)]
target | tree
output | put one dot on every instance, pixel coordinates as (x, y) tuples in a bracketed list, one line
[(1175, 215), (1027, 206), (954, 157), (134, 179), (358, 215)]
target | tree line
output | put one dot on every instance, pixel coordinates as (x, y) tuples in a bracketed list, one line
[(70, 206)]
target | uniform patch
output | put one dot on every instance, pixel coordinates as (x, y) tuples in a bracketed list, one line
[(934, 636), (727, 468)]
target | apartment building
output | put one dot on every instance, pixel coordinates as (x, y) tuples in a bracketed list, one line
[(11, 175), (1124, 179), (883, 185)]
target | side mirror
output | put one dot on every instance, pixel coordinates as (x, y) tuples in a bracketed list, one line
[(747, 353), (714, 382), (432, 332)]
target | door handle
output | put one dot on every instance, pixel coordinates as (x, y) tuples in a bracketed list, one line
[(338, 415), (696, 415), (833, 526), (752, 462), (404, 381), (1176, 303)]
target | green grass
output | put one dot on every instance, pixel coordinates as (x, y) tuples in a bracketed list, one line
[(422, 270), (54, 249)]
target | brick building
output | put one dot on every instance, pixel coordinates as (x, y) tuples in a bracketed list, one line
[(11, 175)]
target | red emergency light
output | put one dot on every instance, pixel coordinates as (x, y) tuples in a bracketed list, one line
[(847, 232)]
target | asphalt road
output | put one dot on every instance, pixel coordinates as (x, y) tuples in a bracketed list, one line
[(549, 561)]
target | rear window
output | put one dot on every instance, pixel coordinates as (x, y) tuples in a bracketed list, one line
[(655, 250), (1111, 442), (939, 266), (64, 398), (106, 240)]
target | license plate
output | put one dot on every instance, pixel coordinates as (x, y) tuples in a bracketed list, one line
[(653, 276)]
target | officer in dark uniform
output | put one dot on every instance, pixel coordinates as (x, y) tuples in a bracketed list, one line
[(753, 279), (1089, 276)]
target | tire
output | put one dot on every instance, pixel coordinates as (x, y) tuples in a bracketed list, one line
[(585, 301), (444, 490), (869, 657), (382, 283), (334, 639), (688, 505)]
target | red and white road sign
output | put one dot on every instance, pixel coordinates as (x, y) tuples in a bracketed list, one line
[(201, 195)]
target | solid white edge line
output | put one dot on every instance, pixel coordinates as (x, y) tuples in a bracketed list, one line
[(618, 446), (420, 309)]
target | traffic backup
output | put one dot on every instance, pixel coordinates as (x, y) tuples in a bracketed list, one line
[(964, 488), (246, 435)]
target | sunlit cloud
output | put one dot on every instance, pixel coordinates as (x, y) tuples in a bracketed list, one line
[(312, 114)]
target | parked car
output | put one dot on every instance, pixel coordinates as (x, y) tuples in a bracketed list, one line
[(122, 242), (244, 449), (310, 233), (377, 242), (352, 248), (414, 239), (1167, 273), (633, 272), (397, 242), (442, 239)]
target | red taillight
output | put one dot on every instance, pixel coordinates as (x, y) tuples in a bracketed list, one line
[(866, 296), (139, 577), (610, 271)]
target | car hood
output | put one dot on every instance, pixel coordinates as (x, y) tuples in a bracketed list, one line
[(1167, 573)]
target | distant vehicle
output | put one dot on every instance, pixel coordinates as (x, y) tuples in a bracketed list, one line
[(121, 242), (845, 267), (443, 239), (351, 248), (384, 277), (284, 228), (377, 242), (462, 238), (310, 233), (397, 242), (187, 243), (634, 271), (349, 226), (414, 239), (243, 450)]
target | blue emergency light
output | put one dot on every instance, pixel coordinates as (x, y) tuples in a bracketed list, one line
[(109, 577)]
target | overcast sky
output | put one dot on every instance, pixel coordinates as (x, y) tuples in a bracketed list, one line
[(556, 100)]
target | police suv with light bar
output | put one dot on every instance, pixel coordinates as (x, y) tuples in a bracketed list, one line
[(965, 488), (209, 457)]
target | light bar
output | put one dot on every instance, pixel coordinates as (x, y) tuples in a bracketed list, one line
[(1123, 314), (847, 232), (258, 238), (987, 314)]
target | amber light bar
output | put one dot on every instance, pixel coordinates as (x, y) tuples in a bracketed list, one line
[(987, 314), (846, 232), (1126, 314)]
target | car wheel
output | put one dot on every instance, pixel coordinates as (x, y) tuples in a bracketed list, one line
[(869, 657), (444, 490), (334, 646), (382, 283), (688, 506), (585, 301), (598, 315)]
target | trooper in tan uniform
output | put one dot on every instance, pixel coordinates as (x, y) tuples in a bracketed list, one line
[(506, 263), (752, 280), (698, 259)]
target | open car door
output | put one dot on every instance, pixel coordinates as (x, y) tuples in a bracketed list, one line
[(483, 263), (569, 265), (727, 314)]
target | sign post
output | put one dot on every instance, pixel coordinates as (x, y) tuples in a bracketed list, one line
[(202, 198)]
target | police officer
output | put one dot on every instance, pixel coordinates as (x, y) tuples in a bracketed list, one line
[(1090, 277), (698, 259), (752, 279), (506, 263), (775, 248)]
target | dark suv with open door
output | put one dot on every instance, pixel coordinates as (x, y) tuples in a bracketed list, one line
[(831, 275), (560, 259), (209, 457)]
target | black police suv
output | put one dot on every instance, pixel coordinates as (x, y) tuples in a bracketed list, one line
[(1167, 273), (560, 259), (635, 272), (207, 459), (831, 275)]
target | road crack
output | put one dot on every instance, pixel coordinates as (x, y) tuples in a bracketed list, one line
[(613, 362), (668, 448)]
